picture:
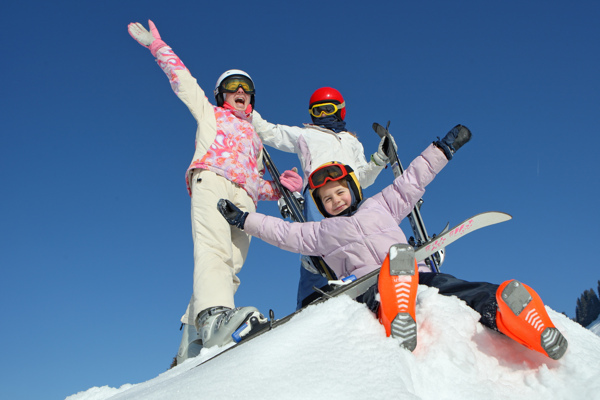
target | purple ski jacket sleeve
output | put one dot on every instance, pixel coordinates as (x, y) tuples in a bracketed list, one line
[(359, 243)]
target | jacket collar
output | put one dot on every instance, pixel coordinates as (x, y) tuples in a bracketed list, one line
[(247, 115)]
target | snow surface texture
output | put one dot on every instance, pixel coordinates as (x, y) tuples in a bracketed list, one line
[(595, 326), (338, 350)]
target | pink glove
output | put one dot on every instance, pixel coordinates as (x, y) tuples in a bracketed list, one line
[(147, 39), (291, 180)]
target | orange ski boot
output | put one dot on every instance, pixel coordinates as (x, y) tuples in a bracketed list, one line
[(398, 284), (522, 316)]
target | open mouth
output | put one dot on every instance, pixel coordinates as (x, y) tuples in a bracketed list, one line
[(240, 100)]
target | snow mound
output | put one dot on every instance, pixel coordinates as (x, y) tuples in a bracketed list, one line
[(338, 350)]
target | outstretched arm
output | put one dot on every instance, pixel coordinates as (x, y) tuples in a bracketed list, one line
[(167, 60), (366, 170), (409, 187), (182, 82), (289, 179), (291, 236), (281, 137)]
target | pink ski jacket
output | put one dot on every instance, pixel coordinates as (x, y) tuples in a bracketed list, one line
[(226, 142), (359, 243)]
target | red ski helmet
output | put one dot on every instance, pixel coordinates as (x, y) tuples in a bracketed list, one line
[(328, 95)]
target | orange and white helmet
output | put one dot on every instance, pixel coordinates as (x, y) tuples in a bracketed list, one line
[(334, 171)]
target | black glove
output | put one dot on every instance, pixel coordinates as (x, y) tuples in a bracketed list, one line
[(232, 214), (454, 140)]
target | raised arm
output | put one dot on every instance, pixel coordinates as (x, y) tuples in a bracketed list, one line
[(182, 82), (409, 187), (367, 171)]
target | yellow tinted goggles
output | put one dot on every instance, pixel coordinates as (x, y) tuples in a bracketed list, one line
[(232, 84), (322, 109)]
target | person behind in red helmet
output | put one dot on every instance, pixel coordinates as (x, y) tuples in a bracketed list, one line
[(328, 108), (226, 163), (358, 237), (324, 140)]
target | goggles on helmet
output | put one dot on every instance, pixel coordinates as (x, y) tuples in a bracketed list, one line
[(233, 83), (326, 173), (322, 109)]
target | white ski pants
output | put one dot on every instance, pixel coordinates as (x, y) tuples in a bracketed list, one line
[(219, 248)]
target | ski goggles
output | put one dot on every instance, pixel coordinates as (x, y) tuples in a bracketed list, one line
[(326, 173), (233, 83), (322, 109)]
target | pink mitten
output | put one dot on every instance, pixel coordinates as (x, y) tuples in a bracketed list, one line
[(291, 180)]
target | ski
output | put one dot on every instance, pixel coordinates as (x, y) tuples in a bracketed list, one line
[(355, 288), (416, 221), (424, 251), (292, 208)]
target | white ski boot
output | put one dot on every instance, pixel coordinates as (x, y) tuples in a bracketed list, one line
[(219, 324), (191, 343)]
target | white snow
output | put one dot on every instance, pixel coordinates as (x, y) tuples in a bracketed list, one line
[(595, 326), (338, 350)]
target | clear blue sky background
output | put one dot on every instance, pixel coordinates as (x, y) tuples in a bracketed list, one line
[(96, 249)]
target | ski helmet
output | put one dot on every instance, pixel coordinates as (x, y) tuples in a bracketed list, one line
[(334, 171), (228, 76), (329, 95)]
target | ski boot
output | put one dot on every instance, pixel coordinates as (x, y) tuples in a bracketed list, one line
[(191, 344), (522, 317), (223, 325), (398, 283)]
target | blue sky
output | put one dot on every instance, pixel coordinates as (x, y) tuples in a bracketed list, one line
[(96, 249)]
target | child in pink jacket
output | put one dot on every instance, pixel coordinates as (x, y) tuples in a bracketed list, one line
[(227, 163), (356, 236)]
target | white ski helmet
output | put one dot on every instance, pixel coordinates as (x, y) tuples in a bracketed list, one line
[(220, 97)]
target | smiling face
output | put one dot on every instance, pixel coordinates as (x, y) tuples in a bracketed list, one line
[(239, 100), (335, 197)]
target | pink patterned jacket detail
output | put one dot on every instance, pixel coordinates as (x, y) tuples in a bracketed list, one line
[(226, 142)]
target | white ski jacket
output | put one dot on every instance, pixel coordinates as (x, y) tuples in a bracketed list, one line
[(316, 146)]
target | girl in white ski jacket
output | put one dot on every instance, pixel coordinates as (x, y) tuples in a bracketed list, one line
[(315, 144)]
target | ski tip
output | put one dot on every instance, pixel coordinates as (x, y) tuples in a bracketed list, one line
[(379, 129), (499, 216), (505, 215)]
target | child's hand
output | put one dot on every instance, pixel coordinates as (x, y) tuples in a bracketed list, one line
[(291, 180), (382, 157), (233, 215), (454, 140), (150, 40)]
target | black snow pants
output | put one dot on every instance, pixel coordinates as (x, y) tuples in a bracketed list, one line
[(480, 296)]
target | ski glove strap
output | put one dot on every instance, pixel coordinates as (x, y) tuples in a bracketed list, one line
[(233, 215), (454, 140)]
